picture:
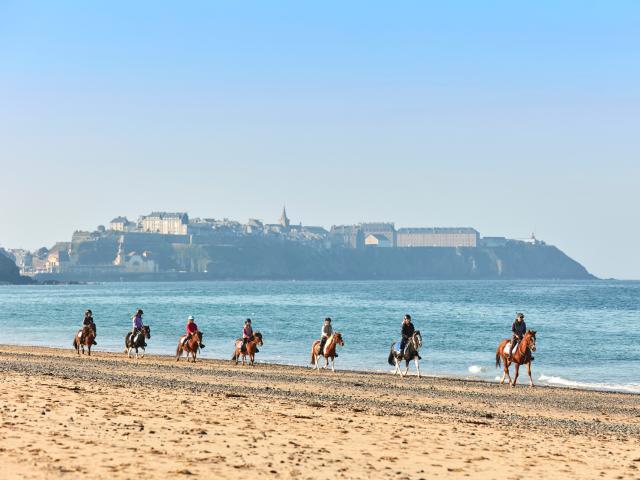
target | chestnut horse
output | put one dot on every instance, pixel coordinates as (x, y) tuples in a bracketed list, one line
[(329, 351), (521, 356), (88, 336), (252, 346), (191, 347)]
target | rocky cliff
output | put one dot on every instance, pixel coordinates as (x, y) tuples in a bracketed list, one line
[(9, 272)]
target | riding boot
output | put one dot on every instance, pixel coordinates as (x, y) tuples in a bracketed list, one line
[(95, 343), (202, 345)]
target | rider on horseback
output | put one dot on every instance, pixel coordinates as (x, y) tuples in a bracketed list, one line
[(137, 326), (327, 331), (88, 322), (192, 328), (247, 335), (407, 332), (518, 329)]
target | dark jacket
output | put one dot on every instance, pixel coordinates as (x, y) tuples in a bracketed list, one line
[(407, 329), (519, 329)]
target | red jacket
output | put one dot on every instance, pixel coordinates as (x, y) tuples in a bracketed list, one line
[(192, 327)]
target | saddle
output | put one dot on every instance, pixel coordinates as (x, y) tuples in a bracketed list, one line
[(507, 348), (396, 347)]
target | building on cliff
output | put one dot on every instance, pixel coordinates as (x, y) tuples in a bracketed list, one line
[(438, 237), (167, 223)]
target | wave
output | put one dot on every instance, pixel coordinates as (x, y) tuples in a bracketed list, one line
[(477, 369), (563, 382)]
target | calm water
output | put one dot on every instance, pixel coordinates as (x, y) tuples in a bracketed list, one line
[(590, 325)]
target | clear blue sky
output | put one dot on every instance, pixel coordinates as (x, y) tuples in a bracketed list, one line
[(510, 117)]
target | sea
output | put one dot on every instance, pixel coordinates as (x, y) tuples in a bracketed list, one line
[(587, 331)]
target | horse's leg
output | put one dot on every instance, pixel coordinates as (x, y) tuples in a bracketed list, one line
[(397, 370), (507, 365), (529, 372), (89, 350), (417, 366), (333, 364), (326, 362), (515, 377), (143, 351), (406, 370)]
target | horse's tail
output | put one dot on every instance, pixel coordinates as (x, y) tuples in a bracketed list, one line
[(391, 360), (234, 357), (179, 350), (498, 357), (73, 344), (313, 354)]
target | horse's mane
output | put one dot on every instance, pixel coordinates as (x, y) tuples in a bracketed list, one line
[(257, 334)]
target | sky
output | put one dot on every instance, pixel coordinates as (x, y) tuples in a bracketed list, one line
[(510, 117)]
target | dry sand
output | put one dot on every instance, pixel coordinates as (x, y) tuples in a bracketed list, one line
[(110, 417)]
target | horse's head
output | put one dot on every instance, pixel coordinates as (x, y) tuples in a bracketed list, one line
[(258, 335), (147, 331), (339, 340), (417, 339), (530, 339)]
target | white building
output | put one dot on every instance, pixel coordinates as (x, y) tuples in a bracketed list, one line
[(167, 223)]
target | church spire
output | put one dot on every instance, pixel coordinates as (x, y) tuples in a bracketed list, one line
[(284, 221)]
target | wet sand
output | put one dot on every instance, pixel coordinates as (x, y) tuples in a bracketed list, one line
[(107, 416)]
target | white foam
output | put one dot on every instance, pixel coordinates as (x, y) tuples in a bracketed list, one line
[(477, 369), (563, 382)]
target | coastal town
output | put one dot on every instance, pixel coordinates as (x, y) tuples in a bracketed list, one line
[(140, 246)]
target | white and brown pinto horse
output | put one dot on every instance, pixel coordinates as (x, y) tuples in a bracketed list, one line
[(411, 352), (329, 351), (521, 356), (84, 338)]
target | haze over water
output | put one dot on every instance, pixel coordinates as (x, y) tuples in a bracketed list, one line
[(589, 325)]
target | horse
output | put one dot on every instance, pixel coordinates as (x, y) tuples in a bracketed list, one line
[(137, 342), (329, 351), (410, 353), (88, 335), (190, 347), (251, 347), (521, 356)]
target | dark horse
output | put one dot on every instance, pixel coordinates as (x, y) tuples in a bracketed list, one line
[(84, 338), (410, 353), (190, 347), (521, 356), (137, 342)]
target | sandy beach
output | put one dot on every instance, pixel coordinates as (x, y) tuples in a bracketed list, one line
[(111, 417)]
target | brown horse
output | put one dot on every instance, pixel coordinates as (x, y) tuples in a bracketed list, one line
[(250, 349), (87, 335), (521, 356), (329, 351), (191, 347)]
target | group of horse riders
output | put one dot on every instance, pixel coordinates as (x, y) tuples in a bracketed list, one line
[(407, 349)]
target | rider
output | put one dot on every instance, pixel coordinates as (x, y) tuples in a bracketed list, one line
[(137, 325), (247, 335), (88, 322), (407, 332), (518, 329), (327, 331), (192, 328)]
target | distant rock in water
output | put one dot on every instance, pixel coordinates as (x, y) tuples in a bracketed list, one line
[(9, 272)]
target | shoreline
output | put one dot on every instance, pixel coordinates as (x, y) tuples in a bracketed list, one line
[(65, 416), (523, 379)]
